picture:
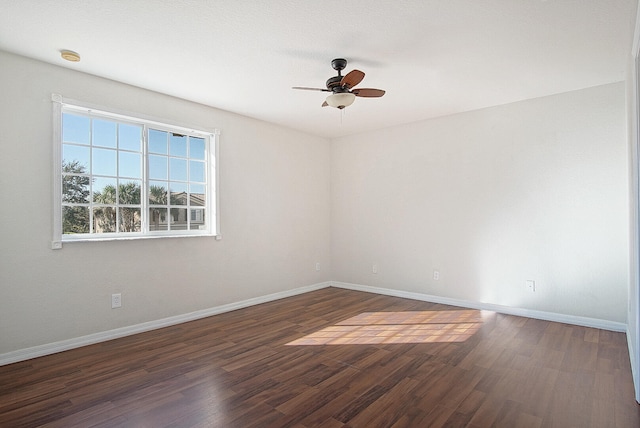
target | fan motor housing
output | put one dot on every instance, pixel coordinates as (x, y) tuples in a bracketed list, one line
[(333, 83)]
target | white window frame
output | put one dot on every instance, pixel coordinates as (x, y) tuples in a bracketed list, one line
[(211, 213)]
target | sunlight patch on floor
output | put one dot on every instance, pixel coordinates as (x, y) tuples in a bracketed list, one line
[(373, 328)]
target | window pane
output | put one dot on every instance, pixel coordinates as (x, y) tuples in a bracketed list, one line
[(197, 220), (158, 141), (75, 220), (178, 193), (104, 162), (158, 192), (130, 220), (75, 189), (178, 169), (158, 219), (130, 137), (130, 164), (104, 220), (196, 171), (178, 219), (75, 159), (113, 174), (104, 133), (158, 167), (197, 195), (178, 145), (129, 192), (196, 148), (104, 190), (75, 129)]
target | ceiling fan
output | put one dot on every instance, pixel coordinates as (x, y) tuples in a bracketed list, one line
[(342, 87)]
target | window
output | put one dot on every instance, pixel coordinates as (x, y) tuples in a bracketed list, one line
[(125, 177)]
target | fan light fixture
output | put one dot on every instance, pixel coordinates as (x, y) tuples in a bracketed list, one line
[(341, 100)]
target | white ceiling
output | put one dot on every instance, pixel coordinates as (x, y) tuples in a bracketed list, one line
[(433, 57)]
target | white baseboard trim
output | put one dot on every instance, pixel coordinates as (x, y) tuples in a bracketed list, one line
[(65, 345), (635, 370), (529, 313)]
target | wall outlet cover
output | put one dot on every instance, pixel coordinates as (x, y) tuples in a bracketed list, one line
[(116, 300)]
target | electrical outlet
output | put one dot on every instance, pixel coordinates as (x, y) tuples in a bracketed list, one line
[(436, 275), (317, 266), (531, 284), (116, 300), (374, 268)]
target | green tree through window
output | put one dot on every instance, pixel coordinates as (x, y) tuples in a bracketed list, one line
[(75, 190)]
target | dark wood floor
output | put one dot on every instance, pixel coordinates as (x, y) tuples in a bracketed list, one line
[(333, 358)]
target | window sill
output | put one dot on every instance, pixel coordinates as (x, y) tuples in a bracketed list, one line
[(57, 245)]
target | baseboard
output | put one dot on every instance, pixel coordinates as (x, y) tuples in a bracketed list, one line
[(65, 345), (547, 316), (635, 370)]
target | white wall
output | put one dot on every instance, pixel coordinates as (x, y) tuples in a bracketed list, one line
[(532, 190), (274, 187)]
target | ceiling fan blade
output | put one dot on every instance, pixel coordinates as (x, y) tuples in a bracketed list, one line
[(310, 89), (368, 92), (352, 78), (324, 104)]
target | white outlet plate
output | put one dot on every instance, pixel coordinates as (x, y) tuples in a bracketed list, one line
[(374, 268), (116, 300), (531, 284), (317, 266), (436, 275)]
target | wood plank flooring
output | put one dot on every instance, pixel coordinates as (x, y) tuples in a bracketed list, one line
[(333, 358)]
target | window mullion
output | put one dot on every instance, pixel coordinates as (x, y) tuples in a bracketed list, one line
[(96, 148), (144, 192)]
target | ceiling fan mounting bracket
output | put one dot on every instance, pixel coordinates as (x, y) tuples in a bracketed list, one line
[(339, 64)]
